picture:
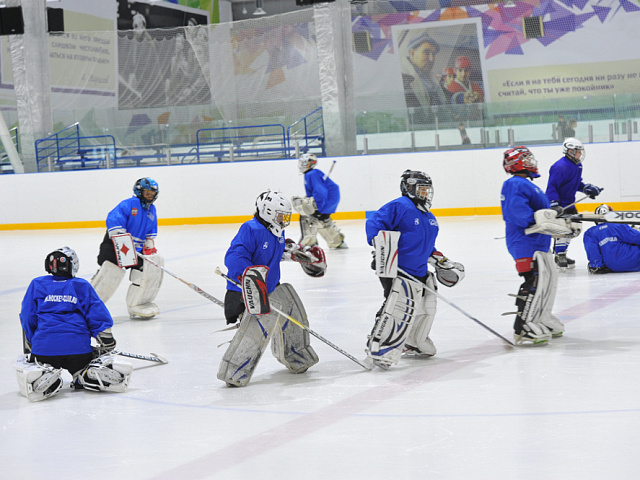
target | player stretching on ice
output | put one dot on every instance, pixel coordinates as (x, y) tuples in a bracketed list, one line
[(323, 196), (528, 236), (404, 321), (261, 242), (136, 216), (60, 313), (565, 179)]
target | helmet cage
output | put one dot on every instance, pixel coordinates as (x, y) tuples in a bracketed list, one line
[(275, 210), (520, 160), (571, 147), (418, 187), (307, 162), (143, 184)]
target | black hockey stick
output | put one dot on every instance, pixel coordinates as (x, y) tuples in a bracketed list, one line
[(411, 277), (304, 327), (192, 286), (154, 358)]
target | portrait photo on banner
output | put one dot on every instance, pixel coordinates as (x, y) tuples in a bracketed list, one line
[(442, 71)]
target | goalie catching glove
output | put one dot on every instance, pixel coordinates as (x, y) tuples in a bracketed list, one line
[(304, 205), (548, 223), (448, 273), (311, 259)]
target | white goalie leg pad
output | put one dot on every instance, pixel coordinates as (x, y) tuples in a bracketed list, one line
[(418, 342), (246, 348), (105, 374), (394, 322), (37, 381), (331, 234), (291, 343), (107, 279), (546, 292), (144, 289), (309, 229)]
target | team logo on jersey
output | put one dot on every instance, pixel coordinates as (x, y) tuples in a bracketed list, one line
[(433, 222), (417, 221), (150, 216), (134, 211), (265, 246)]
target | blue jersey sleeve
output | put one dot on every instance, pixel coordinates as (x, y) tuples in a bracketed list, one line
[(28, 316), (325, 191), (590, 240)]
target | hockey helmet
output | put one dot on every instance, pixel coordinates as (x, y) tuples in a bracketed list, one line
[(520, 160), (274, 209), (602, 209), (418, 187), (570, 149), (306, 162), (143, 184), (62, 262)]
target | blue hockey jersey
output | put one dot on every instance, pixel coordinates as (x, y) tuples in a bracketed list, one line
[(565, 179), (418, 232), (519, 200), (325, 191), (60, 315), (254, 244), (615, 245), (139, 222)]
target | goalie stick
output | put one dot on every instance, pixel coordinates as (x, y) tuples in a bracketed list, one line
[(326, 175), (192, 286), (629, 217), (304, 327), (411, 277), (154, 358)]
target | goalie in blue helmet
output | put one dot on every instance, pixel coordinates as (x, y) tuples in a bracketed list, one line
[(137, 217)]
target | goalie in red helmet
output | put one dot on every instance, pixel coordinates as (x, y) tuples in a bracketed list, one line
[(520, 200)]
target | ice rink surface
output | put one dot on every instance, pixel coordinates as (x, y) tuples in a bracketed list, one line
[(477, 410)]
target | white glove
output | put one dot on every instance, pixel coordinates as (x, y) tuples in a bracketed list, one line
[(149, 247), (117, 231)]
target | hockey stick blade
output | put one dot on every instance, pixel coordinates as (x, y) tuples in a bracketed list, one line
[(154, 358), (486, 327), (304, 327)]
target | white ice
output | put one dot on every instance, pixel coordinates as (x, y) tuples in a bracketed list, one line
[(479, 409)]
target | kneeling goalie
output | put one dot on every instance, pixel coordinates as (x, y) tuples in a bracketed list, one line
[(404, 233), (60, 314), (258, 248)]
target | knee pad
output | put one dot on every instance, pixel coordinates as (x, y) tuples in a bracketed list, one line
[(394, 322), (418, 340), (290, 343), (246, 348), (144, 288), (309, 230), (104, 374), (37, 381), (331, 233), (107, 279)]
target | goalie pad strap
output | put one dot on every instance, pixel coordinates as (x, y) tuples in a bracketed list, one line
[(386, 245)]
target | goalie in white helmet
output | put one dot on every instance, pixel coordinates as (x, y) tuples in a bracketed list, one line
[(136, 216), (565, 179), (404, 233), (261, 241), (60, 315), (322, 198)]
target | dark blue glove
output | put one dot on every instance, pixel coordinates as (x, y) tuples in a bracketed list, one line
[(555, 207), (591, 190)]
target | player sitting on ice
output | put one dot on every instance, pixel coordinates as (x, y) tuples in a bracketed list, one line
[(612, 247), (404, 233), (132, 219), (323, 196), (259, 247), (530, 224), (60, 314)]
